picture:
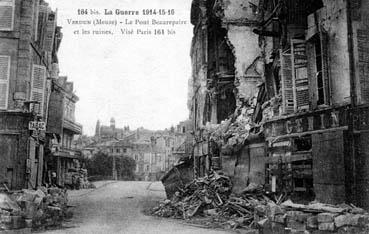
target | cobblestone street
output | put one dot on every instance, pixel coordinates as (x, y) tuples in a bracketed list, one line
[(116, 207)]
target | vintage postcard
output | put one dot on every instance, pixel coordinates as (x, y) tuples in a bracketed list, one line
[(184, 116)]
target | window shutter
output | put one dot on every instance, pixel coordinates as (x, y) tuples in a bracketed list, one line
[(363, 49), (49, 31), (299, 74), (311, 71), (41, 24), (38, 87), (6, 15), (325, 65), (4, 81), (287, 86)]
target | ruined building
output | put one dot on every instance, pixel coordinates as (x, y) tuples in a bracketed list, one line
[(29, 40), (61, 156), (279, 95)]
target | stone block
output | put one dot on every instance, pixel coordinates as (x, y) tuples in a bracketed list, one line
[(296, 225), (326, 226), (295, 215), (326, 217), (350, 230), (312, 222), (248, 231), (280, 218), (272, 209), (343, 220)]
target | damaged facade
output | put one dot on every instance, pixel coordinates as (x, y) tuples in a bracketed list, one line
[(279, 95), (29, 43)]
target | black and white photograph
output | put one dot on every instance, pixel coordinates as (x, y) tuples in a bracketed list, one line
[(184, 116)]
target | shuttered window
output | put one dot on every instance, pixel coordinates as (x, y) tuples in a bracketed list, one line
[(4, 81), (295, 84), (38, 88), (49, 31), (363, 49), (287, 85), (299, 74), (325, 65), (6, 15)]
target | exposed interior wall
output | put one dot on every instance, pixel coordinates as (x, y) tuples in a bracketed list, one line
[(250, 167), (239, 19), (334, 21)]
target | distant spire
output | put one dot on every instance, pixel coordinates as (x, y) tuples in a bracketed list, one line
[(97, 129), (112, 123)]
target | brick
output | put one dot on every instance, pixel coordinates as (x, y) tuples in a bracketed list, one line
[(326, 217), (326, 226)]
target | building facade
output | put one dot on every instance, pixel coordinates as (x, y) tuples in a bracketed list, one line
[(294, 116), (29, 40), (62, 127)]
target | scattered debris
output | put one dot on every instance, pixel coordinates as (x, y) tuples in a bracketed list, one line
[(36, 209), (208, 202)]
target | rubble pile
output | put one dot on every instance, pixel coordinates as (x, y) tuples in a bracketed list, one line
[(83, 180), (203, 193), (231, 133), (315, 217), (36, 209), (208, 201)]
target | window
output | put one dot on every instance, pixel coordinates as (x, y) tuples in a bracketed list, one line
[(294, 77), (317, 52), (117, 150), (319, 72), (7, 15), (4, 81), (136, 157), (49, 31), (124, 150), (38, 88)]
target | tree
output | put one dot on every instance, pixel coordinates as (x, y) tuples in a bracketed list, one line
[(126, 168), (102, 165)]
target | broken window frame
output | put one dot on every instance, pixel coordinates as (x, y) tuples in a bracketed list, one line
[(319, 79)]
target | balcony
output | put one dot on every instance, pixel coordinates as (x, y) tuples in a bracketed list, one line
[(68, 153), (72, 126)]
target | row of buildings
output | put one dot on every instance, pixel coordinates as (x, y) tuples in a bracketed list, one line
[(154, 152), (37, 122), (279, 95)]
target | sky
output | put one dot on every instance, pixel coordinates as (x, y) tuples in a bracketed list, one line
[(138, 80)]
